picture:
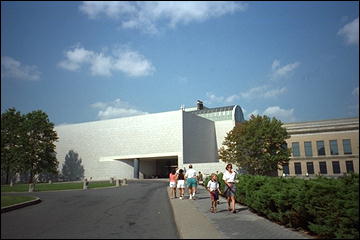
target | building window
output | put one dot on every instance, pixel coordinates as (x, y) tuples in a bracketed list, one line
[(310, 167), (336, 167), (286, 169), (297, 168), (320, 148), (347, 146), (322, 166), (334, 147), (295, 149), (308, 149), (349, 166)]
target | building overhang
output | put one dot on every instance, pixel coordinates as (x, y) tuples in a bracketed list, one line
[(150, 156)]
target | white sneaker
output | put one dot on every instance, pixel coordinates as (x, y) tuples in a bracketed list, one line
[(190, 196), (180, 198)]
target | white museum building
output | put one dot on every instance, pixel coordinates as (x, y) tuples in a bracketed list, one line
[(150, 145)]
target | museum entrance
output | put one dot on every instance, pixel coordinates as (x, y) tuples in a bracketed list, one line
[(164, 167), (157, 167)]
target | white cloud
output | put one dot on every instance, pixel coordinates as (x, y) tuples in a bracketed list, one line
[(275, 64), (133, 64), (111, 9), (147, 16), (212, 98), (355, 92), (282, 114), (274, 92), (231, 98), (284, 71), (285, 115), (262, 92), (62, 124), (351, 32), (101, 65), (253, 93), (116, 109), (123, 59), (11, 68)]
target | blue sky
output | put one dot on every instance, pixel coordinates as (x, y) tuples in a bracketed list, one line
[(87, 61)]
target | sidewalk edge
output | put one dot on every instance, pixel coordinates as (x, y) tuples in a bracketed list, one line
[(20, 205)]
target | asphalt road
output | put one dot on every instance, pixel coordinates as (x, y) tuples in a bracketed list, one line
[(139, 210)]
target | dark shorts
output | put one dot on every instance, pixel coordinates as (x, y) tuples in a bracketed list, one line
[(230, 192), (214, 195)]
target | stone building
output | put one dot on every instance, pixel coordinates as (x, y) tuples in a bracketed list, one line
[(327, 147)]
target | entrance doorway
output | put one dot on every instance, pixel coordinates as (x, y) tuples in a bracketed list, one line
[(164, 167)]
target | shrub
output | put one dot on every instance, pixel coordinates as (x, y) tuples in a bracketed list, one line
[(327, 207)]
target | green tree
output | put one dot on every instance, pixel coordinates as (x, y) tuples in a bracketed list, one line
[(39, 145), (11, 148), (72, 169), (46, 176), (257, 145)]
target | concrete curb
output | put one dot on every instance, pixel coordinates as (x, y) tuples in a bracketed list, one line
[(192, 224), (20, 205)]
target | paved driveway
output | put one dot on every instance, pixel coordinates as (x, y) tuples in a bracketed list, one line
[(138, 210)]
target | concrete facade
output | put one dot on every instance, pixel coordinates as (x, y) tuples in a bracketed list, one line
[(177, 138), (108, 148)]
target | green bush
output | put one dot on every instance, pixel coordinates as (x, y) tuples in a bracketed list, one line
[(328, 207)]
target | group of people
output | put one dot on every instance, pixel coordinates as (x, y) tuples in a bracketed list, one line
[(177, 179)]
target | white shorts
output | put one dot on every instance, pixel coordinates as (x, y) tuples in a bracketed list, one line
[(172, 184), (181, 184)]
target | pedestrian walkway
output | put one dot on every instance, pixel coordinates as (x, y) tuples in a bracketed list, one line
[(242, 225)]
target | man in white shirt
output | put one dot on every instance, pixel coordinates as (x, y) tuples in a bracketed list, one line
[(191, 180)]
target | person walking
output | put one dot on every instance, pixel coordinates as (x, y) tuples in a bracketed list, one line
[(172, 184), (181, 183), (230, 188), (214, 189), (191, 180)]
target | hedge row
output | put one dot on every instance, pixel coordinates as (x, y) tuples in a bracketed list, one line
[(328, 207)]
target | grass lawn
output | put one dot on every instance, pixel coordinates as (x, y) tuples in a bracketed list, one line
[(10, 200), (39, 187)]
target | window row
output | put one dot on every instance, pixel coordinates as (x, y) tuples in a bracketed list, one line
[(322, 166), (320, 146), (217, 116)]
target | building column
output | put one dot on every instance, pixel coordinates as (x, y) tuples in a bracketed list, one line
[(136, 167)]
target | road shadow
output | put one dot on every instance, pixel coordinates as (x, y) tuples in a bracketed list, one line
[(196, 197)]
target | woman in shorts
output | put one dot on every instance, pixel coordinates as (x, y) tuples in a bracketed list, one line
[(181, 183), (230, 189), (172, 184)]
